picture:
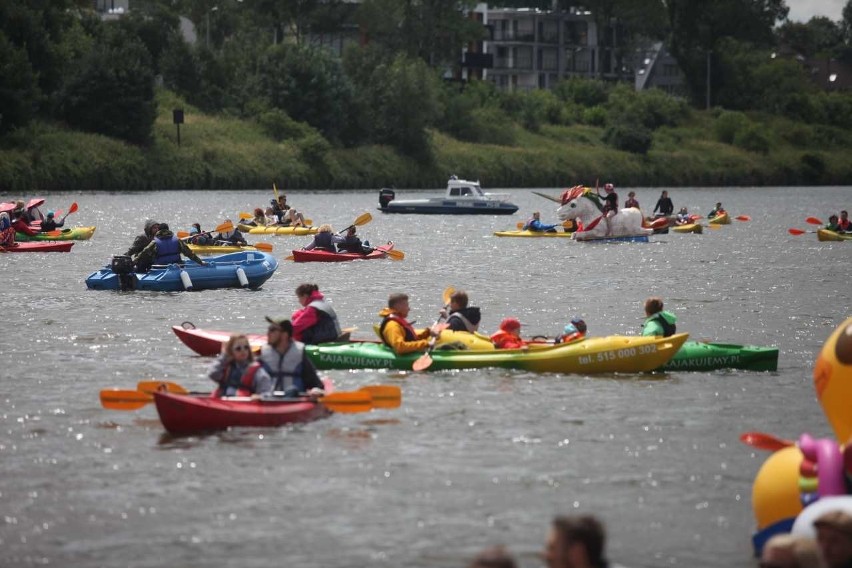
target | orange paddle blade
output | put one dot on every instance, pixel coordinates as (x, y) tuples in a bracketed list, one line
[(224, 227), (154, 386), (245, 216), (115, 399), (814, 221), (395, 254), (422, 363), (384, 396), (182, 234), (290, 257), (765, 441), (355, 401), (265, 247), (796, 231), (743, 218)]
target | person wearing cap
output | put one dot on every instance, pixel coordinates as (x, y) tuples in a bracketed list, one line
[(164, 248), (574, 331), (461, 317), (284, 359), (657, 320), (50, 223), (398, 333), (141, 241), (718, 210), (509, 335), (610, 206), (790, 551), (834, 538), (664, 205), (535, 225), (631, 200)]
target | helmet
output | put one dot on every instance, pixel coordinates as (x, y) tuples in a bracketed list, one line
[(578, 323), (509, 324)]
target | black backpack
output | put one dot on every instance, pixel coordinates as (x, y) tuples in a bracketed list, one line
[(669, 329)]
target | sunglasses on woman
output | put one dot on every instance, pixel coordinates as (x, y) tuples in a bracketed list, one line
[(242, 348)]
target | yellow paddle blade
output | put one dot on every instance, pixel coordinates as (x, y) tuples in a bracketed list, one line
[(115, 399), (224, 227), (265, 247), (355, 401), (384, 396), (362, 219), (448, 291), (309, 222), (275, 190), (713, 226), (520, 225), (154, 386), (245, 216), (290, 257), (395, 254)]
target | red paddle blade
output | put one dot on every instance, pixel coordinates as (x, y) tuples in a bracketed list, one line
[(814, 221), (743, 218), (73, 208), (764, 441), (796, 231)]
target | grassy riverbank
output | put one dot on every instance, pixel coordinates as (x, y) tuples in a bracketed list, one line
[(220, 153)]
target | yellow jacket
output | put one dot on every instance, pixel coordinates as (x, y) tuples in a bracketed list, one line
[(394, 335)]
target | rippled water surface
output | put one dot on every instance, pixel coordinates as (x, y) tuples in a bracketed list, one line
[(472, 458)]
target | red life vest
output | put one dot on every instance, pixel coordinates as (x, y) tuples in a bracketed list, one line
[(246, 387)]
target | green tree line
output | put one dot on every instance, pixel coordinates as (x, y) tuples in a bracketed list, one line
[(62, 65)]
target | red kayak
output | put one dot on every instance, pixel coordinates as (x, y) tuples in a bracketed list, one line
[(40, 246), (327, 256), (208, 342), (191, 413)]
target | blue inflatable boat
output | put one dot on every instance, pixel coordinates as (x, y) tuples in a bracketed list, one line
[(235, 270)]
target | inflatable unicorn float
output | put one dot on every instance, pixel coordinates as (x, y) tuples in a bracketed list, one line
[(802, 480), (585, 206)]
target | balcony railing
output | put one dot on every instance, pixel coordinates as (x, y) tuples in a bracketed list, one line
[(511, 35)]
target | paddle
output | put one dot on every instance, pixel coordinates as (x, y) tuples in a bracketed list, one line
[(275, 190), (797, 232), (72, 209), (395, 254), (425, 361), (245, 216), (223, 228), (550, 197), (814, 221), (743, 218), (359, 221), (765, 441)]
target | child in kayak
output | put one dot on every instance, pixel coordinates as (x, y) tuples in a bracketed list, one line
[(232, 237), (574, 331), (461, 317), (657, 320), (509, 335)]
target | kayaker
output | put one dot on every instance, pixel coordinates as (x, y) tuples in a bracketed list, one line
[(610, 206), (351, 243), (833, 224), (164, 248), (573, 331), (286, 362), (535, 225), (20, 224), (509, 335), (397, 333), (664, 205), (316, 322), (50, 223), (631, 200), (576, 542), (141, 241), (7, 231), (325, 239), (286, 215), (233, 370), (718, 210), (682, 217), (786, 549), (199, 237), (461, 316), (844, 224), (232, 237), (657, 320)]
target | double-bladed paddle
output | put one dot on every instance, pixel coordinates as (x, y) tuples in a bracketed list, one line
[(425, 361), (814, 221)]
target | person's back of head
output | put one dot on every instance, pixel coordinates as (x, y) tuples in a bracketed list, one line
[(326, 228), (653, 305), (306, 289), (162, 228), (396, 299), (459, 297), (586, 531)]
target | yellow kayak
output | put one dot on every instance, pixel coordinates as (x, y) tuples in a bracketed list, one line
[(277, 230), (530, 234), (688, 228), (723, 219), (826, 235), (220, 249)]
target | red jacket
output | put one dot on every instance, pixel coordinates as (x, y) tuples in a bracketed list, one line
[(505, 340)]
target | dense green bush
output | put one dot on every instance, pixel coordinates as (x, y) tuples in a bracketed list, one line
[(813, 167), (596, 116), (629, 137), (584, 92), (279, 126), (728, 124), (753, 139)]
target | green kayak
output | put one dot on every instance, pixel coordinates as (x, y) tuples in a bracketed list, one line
[(613, 354), (699, 356), (71, 234)]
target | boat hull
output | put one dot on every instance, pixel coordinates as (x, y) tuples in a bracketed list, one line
[(723, 219), (700, 356), (624, 239), (73, 234), (531, 234), (614, 354), (218, 272), (326, 256), (281, 231), (39, 246), (450, 207), (688, 228), (826, 235), (220, 249), (183, 414), (208, 342)]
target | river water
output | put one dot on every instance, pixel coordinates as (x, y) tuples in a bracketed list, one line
[(472, 458)]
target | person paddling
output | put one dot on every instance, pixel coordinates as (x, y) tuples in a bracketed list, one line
[(683, 217), (535, 225), (351, 243), (288, 365), (164, 248), (664, 205), (844, 225), (316, 322), (325, 239), (232, 237), (398, 333), (631, 200), (50, 223), (718, 210)]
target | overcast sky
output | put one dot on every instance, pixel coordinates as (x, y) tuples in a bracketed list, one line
[(804, 10)]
